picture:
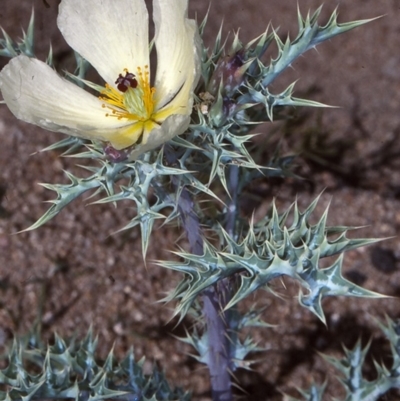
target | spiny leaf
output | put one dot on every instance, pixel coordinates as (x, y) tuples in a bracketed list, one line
[(72, 370), (65, 195), (10, 48), (270, 249), (310, 35)]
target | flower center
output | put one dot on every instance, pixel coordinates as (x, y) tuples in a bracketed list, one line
[(134, 98)]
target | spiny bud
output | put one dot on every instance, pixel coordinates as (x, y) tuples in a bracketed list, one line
[(116, 156), (230, 72)]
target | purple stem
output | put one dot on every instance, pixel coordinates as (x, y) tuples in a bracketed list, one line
[(219, 346), (216, 297)]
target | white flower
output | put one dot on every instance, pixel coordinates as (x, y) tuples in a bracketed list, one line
[(113, 36)]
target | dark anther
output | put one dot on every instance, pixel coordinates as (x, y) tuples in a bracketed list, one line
[(128, 81)]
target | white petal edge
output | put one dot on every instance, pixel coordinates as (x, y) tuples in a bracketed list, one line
[(36, 94), (110, 34), (171, 127), (177, 44)]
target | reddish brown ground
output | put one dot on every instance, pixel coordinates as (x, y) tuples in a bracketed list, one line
[(74, 271)]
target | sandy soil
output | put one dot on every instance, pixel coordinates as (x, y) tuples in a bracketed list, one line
[(74, 271)]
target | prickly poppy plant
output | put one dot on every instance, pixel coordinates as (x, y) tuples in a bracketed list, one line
[(184, 136)]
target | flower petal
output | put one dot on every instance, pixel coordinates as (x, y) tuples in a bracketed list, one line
[(178, 52), (110, 34), (182, 103), (172, 126), (35, 93)]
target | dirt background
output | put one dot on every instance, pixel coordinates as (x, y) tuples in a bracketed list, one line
[(74, 271)]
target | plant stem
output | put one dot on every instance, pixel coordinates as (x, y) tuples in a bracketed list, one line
[(217, 330), (214, 298), (214, 301)]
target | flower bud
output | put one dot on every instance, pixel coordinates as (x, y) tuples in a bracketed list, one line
[(230, 72)]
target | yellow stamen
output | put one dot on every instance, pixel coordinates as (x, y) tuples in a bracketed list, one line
[(148, 91), (136, 104)]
